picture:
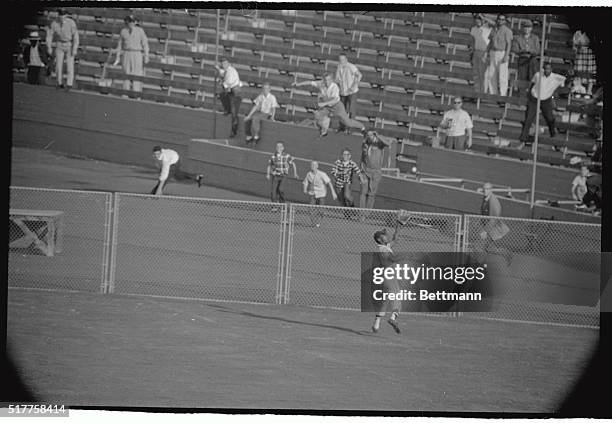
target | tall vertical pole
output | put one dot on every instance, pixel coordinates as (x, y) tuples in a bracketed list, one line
[(214, 135), (537, 122)]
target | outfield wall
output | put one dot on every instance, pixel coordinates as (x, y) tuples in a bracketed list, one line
[(124, 131)]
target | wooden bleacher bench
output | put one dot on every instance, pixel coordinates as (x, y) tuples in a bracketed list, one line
[(42, 229)]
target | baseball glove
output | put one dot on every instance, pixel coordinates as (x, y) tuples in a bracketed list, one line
[(403, 216)]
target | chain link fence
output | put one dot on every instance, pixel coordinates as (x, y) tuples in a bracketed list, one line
[(197, 248), (548, 270), (58, 239), (325, 244)]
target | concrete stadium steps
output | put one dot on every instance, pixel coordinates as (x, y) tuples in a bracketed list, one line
[(373, 37)]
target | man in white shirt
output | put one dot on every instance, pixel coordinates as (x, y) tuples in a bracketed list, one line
[(231, 96), (480, 41), (579, 184), (458, 126), (347, 77), (315, 185), (64, 34), (550, 82), (165, 159), (264, 108), (330, 105)]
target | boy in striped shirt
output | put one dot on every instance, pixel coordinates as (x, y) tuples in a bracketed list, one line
[(278, 168), (343, 172)]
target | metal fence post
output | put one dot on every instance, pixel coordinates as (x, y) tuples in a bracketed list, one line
[(281, 255), (108, 235), (113, 255), (289, 253)]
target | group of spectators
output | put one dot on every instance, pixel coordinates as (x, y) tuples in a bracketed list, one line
[(62, 45)]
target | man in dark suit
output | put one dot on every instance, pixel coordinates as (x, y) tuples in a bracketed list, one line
[(36, 59)]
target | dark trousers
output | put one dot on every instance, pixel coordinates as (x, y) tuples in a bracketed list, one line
[(231, 104), (345, 196), (276, 191), (350, 105), (35, 75), (527, 67), (530, 114), (163, 185)]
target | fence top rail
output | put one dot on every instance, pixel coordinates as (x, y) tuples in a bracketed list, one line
[(202, 199), (524, 219), (374, 210), (76, 191)]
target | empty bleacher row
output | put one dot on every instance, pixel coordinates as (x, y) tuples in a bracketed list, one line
[(413, 65)]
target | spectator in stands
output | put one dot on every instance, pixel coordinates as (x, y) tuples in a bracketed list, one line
[(278, 168), (329, 105), (343, 172), (480, 33), (347, 77), (64, 33), (372, 157), (591, 201), (458, 126), (134, 45), (550, 82), (584, 59), (315, 186), (166, 158), (263, 109), (36, 59), (500, 42), (579, 184), (527, 47), (231, 97), (493, 230)]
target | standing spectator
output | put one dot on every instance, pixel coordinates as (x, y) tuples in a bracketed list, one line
[(550, 82), (584, 59), (579, 184), (372, 156), (36, 59), (264, 108), (343, 172), (493, 230), (500, 42), (329, 105), (134, 45), (278, 168), (480, 33), (166, 158), (315, 185), (348, 78), (231, 97), (458, 124), (527, 47), (66, 37)]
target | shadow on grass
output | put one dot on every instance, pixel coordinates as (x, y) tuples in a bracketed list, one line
[(282, 319)]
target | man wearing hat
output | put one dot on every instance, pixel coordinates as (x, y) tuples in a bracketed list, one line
[(66, 37), (134, 45), (527, 47), (493, 229), (36, 59)]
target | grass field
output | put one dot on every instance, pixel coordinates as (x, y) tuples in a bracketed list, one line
[(91, 349)]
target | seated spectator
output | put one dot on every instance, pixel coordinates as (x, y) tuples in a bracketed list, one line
[(527, 47), (579, 184), (549, 83), (264, 108), (584, 59), (36, 60), (591, 201), (329, 105), (458, 126)]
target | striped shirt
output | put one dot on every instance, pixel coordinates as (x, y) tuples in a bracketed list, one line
[(279, 164), (343, 172)]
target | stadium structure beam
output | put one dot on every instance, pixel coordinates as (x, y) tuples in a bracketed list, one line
[(214, 134), (537, 122)]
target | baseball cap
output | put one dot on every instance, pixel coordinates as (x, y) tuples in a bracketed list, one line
[(34, 35)]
